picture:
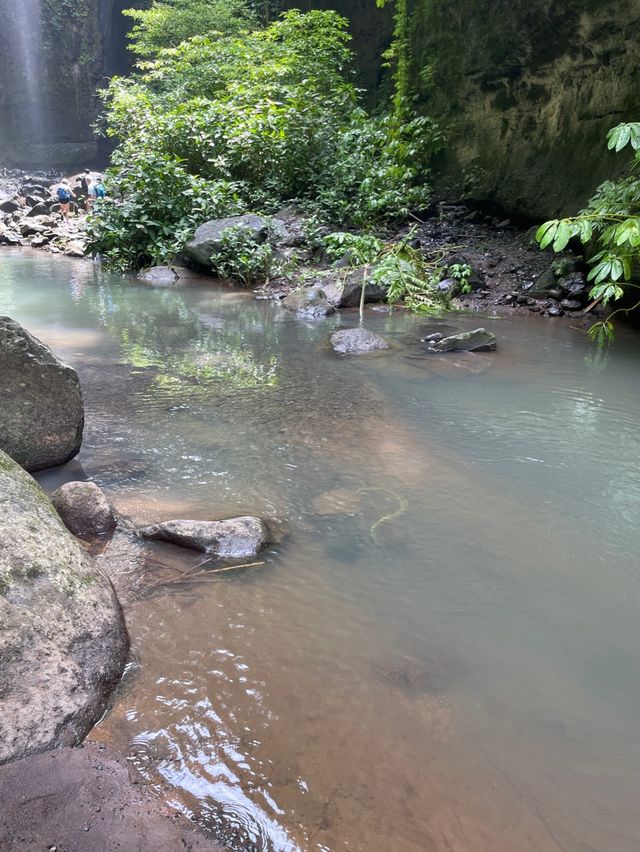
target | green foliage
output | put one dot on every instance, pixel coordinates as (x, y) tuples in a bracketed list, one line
[(411, 279), (154, 205), (360, 249), (609, 228), (461, 272), (243, 255), (379, 171), (169, 22), (396, 265), (271, 113), (398, 57)]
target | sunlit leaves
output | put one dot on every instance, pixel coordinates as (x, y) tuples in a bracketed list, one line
[(611, 223), (623, 134)]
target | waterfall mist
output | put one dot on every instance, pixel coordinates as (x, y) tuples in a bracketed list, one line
[(26, 21)]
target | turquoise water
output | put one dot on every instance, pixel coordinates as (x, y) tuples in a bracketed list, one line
[(444, 653)]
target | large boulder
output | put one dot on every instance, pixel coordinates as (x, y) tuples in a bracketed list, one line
[(84, 509), (345, 290), (478, 340), (355, 341), (63, 642), (309, 303), (208, 237), (236, 537), (42, 419)]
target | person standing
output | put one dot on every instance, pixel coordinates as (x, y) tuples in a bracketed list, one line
[(65, 197), (91, 194), (100, 190)]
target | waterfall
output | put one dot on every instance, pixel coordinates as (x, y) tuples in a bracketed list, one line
[(26, 20)]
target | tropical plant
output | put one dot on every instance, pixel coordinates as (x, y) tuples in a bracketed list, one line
[(461, 272), (153, 208), (167, 23), (243, 255), (609, 229), (273, 115), (396, 265)]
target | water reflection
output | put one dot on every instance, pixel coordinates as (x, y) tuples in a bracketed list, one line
[(444, 654)]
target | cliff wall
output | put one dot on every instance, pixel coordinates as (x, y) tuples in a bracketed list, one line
[(527, 90)]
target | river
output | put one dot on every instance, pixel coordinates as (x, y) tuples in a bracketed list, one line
[(444, 652)]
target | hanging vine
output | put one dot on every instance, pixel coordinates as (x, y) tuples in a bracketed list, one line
[(398, 56)]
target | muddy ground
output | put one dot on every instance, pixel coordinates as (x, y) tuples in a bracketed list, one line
[(88, 798)]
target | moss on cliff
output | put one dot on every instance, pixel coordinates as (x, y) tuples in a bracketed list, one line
[(527, 90)]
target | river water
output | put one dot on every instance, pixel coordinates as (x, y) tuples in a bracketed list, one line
[(444, 652)]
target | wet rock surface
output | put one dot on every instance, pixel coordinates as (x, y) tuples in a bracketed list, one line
[(42, 420), (477, 340), (158, 275), (63, 642), (235, 537), (309, 303), (357, 341), (84, 509), (345, 290), (87, 799)]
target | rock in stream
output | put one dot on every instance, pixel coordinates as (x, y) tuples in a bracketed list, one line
[(235, 537), (84, 509), (356, 341), (478, 340)]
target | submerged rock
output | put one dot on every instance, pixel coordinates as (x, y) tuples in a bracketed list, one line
[(208, 237), (355, 341), (63, 642), (84, 509), (309, 302), (158, 275), (42, 419), (478, 340), (235, 537)]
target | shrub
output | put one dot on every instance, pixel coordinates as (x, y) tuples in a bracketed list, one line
[(168, 22), (243, 255), (403, 270), (268, 116), (609, 228), (154, 205)]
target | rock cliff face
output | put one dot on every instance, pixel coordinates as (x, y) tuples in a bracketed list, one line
[(527, 90)]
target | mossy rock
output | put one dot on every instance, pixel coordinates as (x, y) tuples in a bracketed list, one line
[(63, 642)]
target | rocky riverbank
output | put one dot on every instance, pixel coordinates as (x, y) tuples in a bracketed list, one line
[(63, 638), (30, 214), (509, 274)]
